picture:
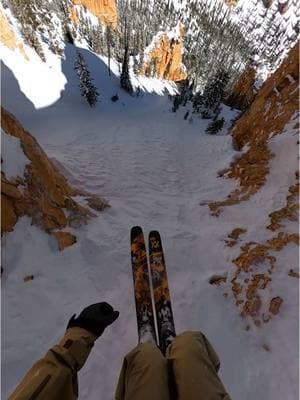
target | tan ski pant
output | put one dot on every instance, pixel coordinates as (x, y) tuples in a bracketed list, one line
[(188, 372)]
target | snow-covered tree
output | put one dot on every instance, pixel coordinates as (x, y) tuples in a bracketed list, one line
[(88, 90)]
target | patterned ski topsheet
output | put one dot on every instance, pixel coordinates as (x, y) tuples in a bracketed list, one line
[(142, 291), (162, 300)]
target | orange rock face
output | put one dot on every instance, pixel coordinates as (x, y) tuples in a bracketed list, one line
[(64, 239), (242, 93), (231, 3), (43, 194), (104, 10), (166, 59), (8, 37), (274, 105), (72, 14), (275, 305)]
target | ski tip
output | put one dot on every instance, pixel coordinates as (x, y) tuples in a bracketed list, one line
[(135, 231), (155, 242), (154, 234)]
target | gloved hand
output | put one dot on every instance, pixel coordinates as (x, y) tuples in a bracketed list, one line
[(94, 318)]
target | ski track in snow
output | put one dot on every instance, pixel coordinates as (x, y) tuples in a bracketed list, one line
[(154, 168)]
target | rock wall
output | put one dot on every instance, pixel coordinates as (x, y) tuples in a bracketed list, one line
[(8, 37), (243, 92), (42, 193), (231, 3), (166, 59), (73, 15), (273, 107), (104, 10)]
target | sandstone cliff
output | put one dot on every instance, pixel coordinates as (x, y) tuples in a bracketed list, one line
[(42, 193), (8, 37), (243, 92), (231, 3), (275, 105), (166, 58), (104, 10)]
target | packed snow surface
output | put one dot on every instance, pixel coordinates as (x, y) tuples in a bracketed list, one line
[(155, 169), (14, 161)]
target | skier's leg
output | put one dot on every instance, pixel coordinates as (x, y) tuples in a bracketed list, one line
[(195, 367), (144, 375)]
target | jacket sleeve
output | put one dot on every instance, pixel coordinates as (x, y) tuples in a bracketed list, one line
[(55, 375)]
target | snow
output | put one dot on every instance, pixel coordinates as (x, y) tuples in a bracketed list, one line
[(155, 169), (31, 77), (254, 10), (42, 83), (14, 160), (179, 4)]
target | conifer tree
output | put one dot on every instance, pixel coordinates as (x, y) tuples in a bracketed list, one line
[(88, 90), (108, 41), (214, 93), (125, 78)]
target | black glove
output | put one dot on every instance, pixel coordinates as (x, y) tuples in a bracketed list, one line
[(94, 318)]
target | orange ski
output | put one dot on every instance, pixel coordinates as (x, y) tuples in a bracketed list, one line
[(142, 291), (162, 300)]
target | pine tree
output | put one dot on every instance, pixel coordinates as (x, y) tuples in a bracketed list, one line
[(125, 78), (214, 93), (108, 42), (88, 90)]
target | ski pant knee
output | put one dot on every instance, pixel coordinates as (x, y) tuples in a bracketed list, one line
[(143, 366), (188, 343), (189, 370), (195, 366)]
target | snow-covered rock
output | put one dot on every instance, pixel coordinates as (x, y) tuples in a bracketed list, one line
[(164, 56)]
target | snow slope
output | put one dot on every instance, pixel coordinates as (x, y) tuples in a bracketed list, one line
[(155, 169)]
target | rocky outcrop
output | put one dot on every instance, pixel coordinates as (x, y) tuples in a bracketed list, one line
[(243, 92), (234, 236), (267, 3), (104, 10), (165, 58), (8, 37), (288, 212), (231, 3), (42, 193), (274, 105), (283, 7), (64, 239), (73, 15)]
